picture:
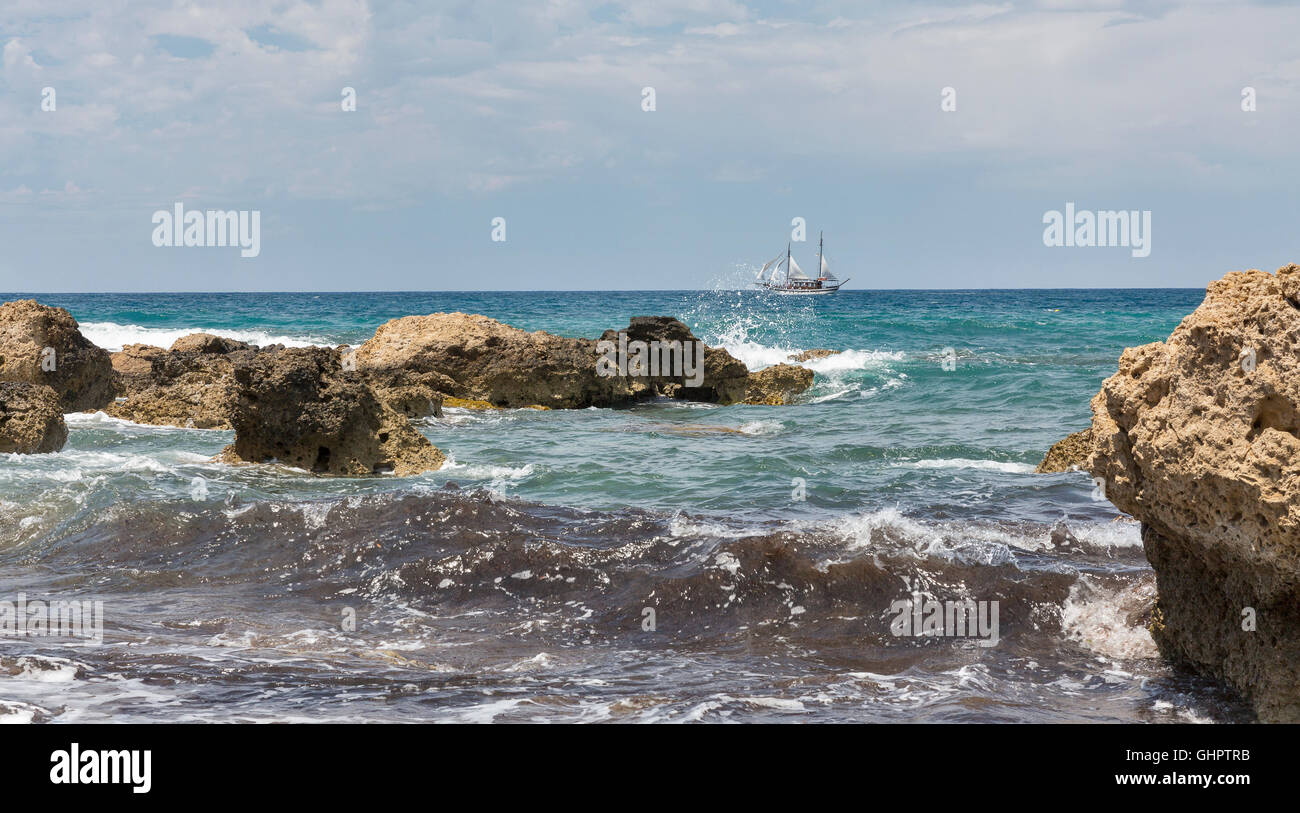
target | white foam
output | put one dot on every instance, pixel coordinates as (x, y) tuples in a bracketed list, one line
[(97, 420), (1097, 618), (966, 463), (850, 360), (1122, 533), (114, 336), (761, 427), (487, 471)]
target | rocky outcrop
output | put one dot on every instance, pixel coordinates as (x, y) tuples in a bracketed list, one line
[(1199, 438), (414, 363), (778, 384), (1068, 454), (31, 419), (299, 407), (190, 385), (44, 345), (475, 358)]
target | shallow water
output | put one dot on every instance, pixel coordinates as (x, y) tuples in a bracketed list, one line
[(770, 542)]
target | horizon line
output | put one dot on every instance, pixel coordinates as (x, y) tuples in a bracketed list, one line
[(597, 291)]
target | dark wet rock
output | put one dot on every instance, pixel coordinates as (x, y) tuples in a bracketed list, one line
[(725, 379)]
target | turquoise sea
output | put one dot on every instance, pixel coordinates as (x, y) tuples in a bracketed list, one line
[(769, 542)]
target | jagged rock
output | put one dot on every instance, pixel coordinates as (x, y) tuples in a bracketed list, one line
[(298, 406), (31, 419), (133, 367), (809, 355), (43, 345), (778, 384), (1199, 438), (414, 393), (190, 385), (1068, 454)]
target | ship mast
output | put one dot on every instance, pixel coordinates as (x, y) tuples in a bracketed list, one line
[(819, 257), (787, 265)]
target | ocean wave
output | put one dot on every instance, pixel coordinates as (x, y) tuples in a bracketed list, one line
[(113, 336), (850, 360), (487, 471), (892, 529), (102, 420), (1008, 467)]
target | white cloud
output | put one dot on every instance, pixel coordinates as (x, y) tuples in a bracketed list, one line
[(483, 97)]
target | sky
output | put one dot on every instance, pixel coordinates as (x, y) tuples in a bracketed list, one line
[(534, 112)]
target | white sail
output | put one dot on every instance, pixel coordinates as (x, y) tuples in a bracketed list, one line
[(826, 270), (768, 265), (795, 271)]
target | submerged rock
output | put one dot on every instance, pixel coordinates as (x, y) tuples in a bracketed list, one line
[(31, 419), (1199, 438), (809, 355), (1068, 454), (778, 384), (44, 345), (298, 406)]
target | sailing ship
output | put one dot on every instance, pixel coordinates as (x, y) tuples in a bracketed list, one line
[(786, 277)]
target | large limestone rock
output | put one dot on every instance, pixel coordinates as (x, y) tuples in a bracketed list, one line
[(1068, 454), (190, 385), (778, 384), (31, 419), (480, 359), (298, 406), (1199, 438), (43, 345)]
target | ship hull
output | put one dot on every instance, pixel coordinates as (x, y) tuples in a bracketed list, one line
[(797, 292)]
